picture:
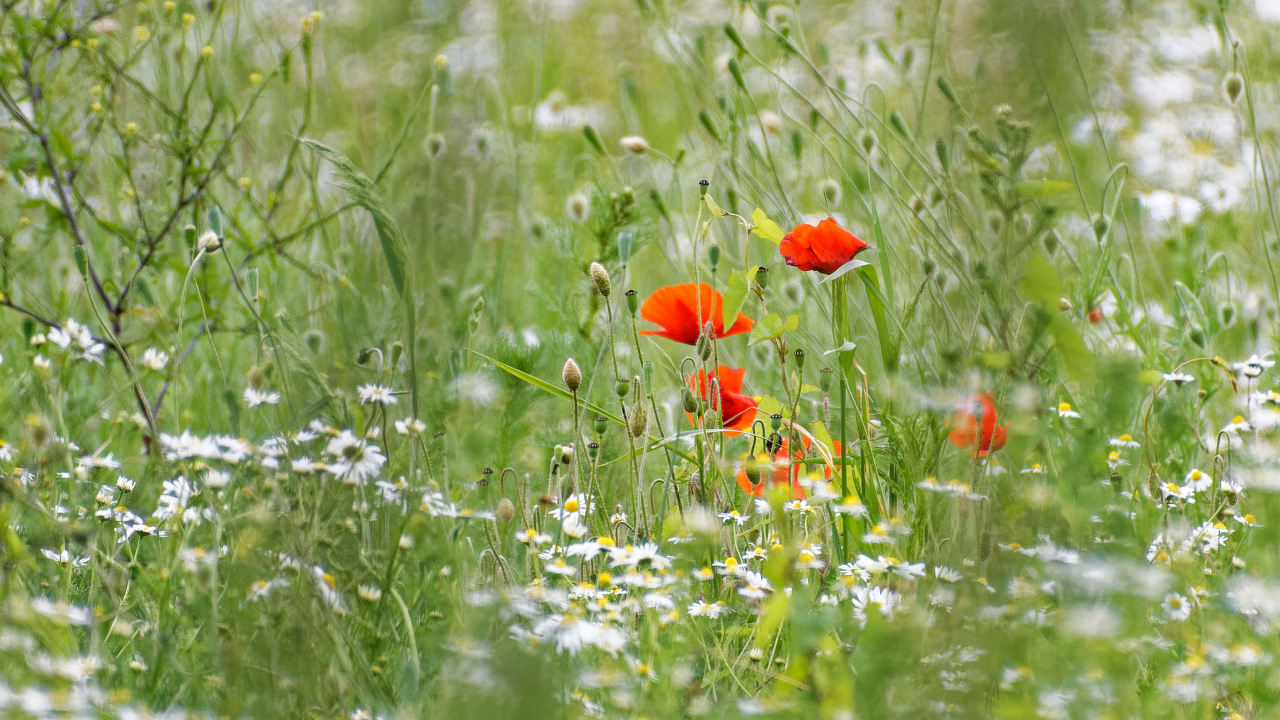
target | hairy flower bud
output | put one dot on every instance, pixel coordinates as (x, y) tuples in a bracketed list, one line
[(690, 402), (634, 144), (703, 346), (600, 278), (639, 421), (571, 375), (506, 510), (209, 242)]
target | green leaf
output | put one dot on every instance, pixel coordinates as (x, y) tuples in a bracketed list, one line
[(736, 294), (772, 326), (766, 228), (553, 389), (878, 302), (713, 206), (1044, 188)]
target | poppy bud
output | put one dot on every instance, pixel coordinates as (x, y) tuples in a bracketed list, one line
[(639, 421), (868, 141), (506, 510), (566, 453), (735, 69), (1233, 86), (189, 234), (593, 138), (397, 349), (690, 403), (1064, 304), (762, 277), (578, 206), (256, 377), (947, 91), (824, 379), (928, 267), (364, 355), (435, 145), (314, 340), (600, 278), (1100, 227), (1197, 336), (708, 124), (622, 387), (799, 358), (1228, 313), (703, 345), (713, 255), (571, 375), (735, 38), (711, 418), (601, 424), (775, 421), (899, 124), (830, 190), (1051, 242)]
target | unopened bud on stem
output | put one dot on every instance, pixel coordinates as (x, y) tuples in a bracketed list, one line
[(600, 278), (571, 375)]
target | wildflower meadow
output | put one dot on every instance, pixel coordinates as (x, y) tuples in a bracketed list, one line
[(640, 359)]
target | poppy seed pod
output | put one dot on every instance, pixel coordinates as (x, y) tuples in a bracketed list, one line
[(622, 387), (600, 278), (571, 375), (601, 424), (762, 277), (824, 379), (633, 301), (799, 354), (775, 421)]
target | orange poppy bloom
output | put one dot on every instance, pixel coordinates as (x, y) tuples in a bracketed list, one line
[(975, 426), (823, 248), (682, 310), (785, 471), (737, 410)]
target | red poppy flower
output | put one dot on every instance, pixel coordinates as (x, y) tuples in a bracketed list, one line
[(783, 471), (823, 248), (737, 410), (975, 426), (682, 310)]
